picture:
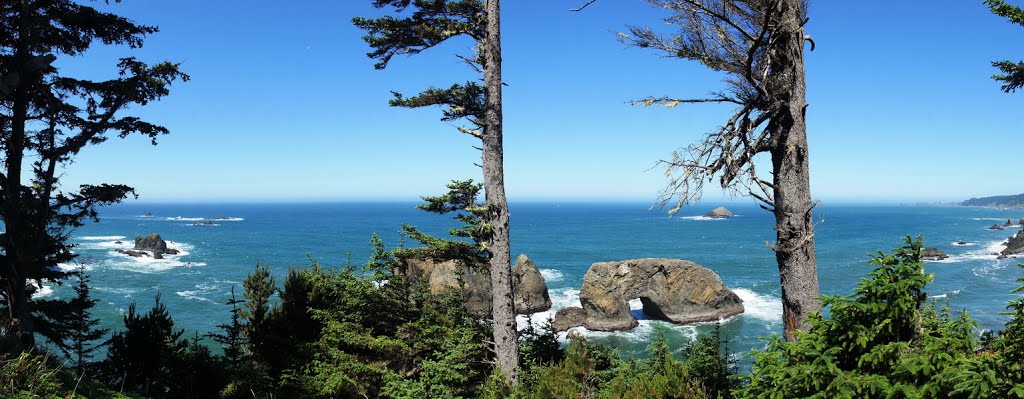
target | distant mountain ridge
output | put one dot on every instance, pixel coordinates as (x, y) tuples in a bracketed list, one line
[(999, 201)]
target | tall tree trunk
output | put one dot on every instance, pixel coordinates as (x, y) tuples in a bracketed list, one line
[(793, 220), (14, 245), (506, 340)]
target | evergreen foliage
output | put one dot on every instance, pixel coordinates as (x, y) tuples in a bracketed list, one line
[(141, 358), (1011, 73), (423, 25), (883, 341), (48, 117), (82, 325)]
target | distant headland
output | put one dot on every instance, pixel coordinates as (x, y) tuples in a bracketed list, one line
[(1001, 201)]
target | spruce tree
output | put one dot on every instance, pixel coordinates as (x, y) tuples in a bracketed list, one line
[(1011, 73), (46, 119), (428, 24), (759, 46), (82, 323)]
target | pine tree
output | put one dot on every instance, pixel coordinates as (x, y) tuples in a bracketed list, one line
[(1011, 73), (49, 117), (82, 324), (759, 46), (141, 358), (430, 23)]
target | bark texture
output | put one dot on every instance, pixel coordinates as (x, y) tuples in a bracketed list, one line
[(506, 340), (794, 224)]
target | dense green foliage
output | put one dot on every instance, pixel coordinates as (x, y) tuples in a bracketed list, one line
[(47, 118), (1011, 73), (884, 341)]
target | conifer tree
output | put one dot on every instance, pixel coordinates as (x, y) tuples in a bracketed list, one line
[(49, 117), (82, 323), (1011, 73), (759, 46), (430, 23)]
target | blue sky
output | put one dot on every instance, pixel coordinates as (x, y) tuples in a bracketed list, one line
[(283, 105)]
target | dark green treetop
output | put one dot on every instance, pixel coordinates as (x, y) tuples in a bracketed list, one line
[(47, 118), (1011, 73)]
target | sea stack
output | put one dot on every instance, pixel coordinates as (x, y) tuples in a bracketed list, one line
[(151, 245), (530, 292), (674, 290), (719, 213), (932, 253), (1014, 246)]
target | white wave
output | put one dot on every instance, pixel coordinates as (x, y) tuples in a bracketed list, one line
[(193, 295), (184, 219), (702, 218), (989, 252), (73, 266), (127, 292), (203, 225), (997, 219), (101, 238), (760, 306), (989, 270), (946, 295), (227, 219), (43, 292), (757, 305), (551, 275), (116, 244), (148, 264)]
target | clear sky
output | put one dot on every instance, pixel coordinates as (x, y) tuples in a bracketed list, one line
[(284, 105)]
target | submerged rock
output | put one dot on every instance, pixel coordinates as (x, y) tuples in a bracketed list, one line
[(719, 213), (675, 290), (932, 253), (996, 227), (530, 293)]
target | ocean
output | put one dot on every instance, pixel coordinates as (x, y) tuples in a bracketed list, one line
[(563, 239)]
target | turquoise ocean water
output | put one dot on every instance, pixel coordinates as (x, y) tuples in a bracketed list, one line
[(563, 239)]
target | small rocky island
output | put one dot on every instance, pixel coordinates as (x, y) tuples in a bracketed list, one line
[(674, 290), (530, 292), (932, 253), (719, 213), (150, 246)]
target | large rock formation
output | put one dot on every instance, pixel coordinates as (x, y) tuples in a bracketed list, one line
[(1014, 246), (675, 290), (151, 245), (530, 293), (932, 253), (719, 213)]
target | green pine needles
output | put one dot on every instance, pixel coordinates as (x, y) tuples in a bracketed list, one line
[(885, 341), (1011, 73)]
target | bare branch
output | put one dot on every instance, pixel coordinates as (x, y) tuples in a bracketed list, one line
[(583, 6)]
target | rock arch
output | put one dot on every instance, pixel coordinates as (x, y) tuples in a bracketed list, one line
[(674, 290)]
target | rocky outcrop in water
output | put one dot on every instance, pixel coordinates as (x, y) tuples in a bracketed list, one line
[(996, 227), (932, 253), (1014, 245), (675, 290), (151, 245), (719, 213), (530, 293)]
